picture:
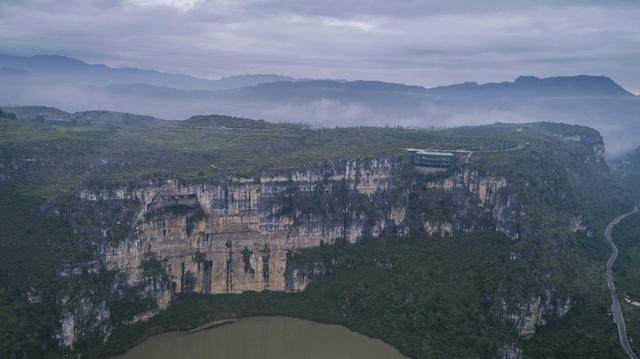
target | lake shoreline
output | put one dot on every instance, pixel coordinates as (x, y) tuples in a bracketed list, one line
[(269, 336)]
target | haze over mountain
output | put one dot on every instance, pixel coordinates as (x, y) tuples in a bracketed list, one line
[(74, 85), (68, 69)]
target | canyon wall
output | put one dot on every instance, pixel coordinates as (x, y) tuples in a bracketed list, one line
[(237, 235), (158, 239)]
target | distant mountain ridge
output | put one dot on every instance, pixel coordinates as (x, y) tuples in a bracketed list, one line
[(68, 68), (358, 85), (580, 85), (569, 86), (310, 90), (102, 75), (52, 114)]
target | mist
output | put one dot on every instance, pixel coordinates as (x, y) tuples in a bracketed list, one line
[(335, 103)]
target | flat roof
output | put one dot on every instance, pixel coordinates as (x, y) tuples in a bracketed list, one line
[(428, 152)]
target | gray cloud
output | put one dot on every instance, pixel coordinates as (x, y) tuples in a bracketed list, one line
[(419, 42)]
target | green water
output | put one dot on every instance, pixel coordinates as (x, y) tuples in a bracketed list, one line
[(265, 338)]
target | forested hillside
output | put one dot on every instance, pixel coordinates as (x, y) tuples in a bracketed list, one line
[(500, 254)]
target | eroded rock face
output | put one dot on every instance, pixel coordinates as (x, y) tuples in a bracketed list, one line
[(510, 351), (238, 235), (235, 236), (527, 315)]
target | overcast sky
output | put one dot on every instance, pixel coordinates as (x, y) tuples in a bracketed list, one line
[(424, 42)]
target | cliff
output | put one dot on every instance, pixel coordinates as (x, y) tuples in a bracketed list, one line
[(241, 234), (229, 220), (238, 235)]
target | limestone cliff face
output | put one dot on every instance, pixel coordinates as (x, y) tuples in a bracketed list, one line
[(533, 312), (239, 234), (234, 236)]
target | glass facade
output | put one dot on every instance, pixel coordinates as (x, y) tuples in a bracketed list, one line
[(432, 159)]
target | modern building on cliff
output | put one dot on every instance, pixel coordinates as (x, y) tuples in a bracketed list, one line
[(430, 158)]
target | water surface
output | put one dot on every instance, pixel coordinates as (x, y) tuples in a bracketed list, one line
[(265, 338)]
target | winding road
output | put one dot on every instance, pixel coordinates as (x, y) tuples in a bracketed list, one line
[(618, 317)]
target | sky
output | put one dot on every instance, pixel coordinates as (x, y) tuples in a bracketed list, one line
[(425, 42)]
